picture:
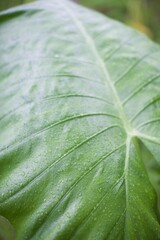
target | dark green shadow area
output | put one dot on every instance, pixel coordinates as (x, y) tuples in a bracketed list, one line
[(7, 231), (153, 170), (5, 4)]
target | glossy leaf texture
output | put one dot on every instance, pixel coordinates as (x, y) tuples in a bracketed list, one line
[(80, 125)]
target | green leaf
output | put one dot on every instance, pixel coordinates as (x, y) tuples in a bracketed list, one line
[(80, 118)]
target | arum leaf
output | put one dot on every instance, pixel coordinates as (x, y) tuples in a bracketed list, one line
[(80, 97)]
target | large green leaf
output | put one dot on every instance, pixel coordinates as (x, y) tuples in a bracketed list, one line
[(80, 125)]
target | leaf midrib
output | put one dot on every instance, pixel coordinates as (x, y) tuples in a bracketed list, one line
[(107, 81), (117, 102)]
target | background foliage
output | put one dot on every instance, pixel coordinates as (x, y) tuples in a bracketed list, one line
[(143, 15)]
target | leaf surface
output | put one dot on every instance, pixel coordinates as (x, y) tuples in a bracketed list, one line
[(80, 96)]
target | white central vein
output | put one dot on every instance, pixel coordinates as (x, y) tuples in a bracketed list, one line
[(108, 82), (107, 79)]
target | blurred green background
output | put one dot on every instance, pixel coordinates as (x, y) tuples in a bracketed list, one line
[(143, 15)]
